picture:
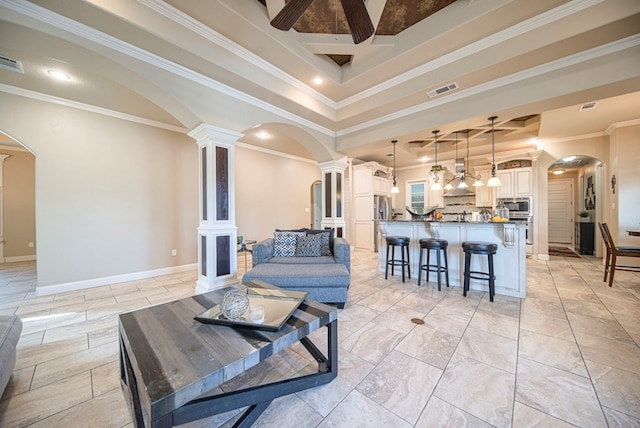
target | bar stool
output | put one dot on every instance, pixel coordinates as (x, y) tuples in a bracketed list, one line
[(439, 245), (484, 249), (403, 243)]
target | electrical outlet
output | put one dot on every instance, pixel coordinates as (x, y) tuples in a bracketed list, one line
[(30, 244), (174, 252)]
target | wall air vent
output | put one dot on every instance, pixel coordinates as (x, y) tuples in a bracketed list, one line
[(588, 106), (442, 90), (11, 64)]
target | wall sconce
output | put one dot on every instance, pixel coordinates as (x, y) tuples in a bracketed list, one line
[(613, 184)]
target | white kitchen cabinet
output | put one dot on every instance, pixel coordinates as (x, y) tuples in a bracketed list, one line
[(369, 179), (515, 182), (484, 194), (381, 186), (523, 182)]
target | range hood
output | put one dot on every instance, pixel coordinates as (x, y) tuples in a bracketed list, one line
[(460, 173)]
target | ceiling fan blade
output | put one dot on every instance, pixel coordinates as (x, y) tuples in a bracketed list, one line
[(290, 13), (358, 19)]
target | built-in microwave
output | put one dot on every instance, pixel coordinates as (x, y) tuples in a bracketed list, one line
[(518, 207)]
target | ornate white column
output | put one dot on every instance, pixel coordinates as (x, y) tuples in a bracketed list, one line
[(217, 254), (332, 196)]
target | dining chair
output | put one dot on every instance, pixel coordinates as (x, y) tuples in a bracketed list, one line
[(613, 252)]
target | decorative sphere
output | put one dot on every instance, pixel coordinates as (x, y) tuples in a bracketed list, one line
[(234, 304)]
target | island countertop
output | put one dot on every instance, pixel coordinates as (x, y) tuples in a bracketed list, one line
[(509, 260)]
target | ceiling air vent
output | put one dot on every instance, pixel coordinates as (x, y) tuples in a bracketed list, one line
[(442, 90), (10, 64), (588, 106)]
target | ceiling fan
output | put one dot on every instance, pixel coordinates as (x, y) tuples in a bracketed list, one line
[(355, 10)]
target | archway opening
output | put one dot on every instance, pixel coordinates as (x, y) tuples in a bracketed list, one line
[(17, 215), (575, 204)]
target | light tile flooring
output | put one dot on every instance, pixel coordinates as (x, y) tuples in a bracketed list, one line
[(567, 355)]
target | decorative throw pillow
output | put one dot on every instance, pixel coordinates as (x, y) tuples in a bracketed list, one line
[(308, 246), (326, 237), (285, 243)]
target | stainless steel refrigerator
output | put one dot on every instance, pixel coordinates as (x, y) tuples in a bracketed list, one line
[(381, 212)]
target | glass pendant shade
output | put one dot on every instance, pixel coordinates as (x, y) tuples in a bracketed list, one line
[(436, 186), (448, 186), (463, 185), (477, 183), (395, 189), (494, 182)]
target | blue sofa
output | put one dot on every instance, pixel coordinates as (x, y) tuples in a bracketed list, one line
[(326, 278)]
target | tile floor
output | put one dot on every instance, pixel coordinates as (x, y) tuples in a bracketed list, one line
[(567, 355)]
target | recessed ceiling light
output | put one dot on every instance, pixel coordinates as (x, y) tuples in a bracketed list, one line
[(558, 171), (57, 74), (568, 158), (423, 159), (318, 80), (263, 135)]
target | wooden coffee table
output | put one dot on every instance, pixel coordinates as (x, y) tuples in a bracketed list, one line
[(173, 368)]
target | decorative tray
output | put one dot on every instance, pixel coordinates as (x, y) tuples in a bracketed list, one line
[(269, 309)]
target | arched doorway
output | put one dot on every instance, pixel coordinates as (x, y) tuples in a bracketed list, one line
[(316, 205), (574, 197)]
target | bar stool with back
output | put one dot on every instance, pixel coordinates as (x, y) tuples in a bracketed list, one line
[(613, 252)]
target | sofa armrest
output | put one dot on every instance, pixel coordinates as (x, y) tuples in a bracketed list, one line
[(342, 252), (262, 251)]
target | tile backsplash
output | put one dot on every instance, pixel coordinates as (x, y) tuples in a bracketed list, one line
[(454, 206)]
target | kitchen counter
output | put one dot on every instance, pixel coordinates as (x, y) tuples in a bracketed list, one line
[(509, 261)]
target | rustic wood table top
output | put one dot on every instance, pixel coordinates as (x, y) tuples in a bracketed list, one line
[(168, 359)]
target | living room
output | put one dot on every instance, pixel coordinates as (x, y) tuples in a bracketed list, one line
[(115, 192)]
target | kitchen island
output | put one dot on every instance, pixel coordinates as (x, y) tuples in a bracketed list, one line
[(509, 261)]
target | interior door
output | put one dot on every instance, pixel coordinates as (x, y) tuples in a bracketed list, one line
[(560, 196)]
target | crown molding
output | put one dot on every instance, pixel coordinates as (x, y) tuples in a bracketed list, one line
[(589, 54), (530, 24), (213, 36), (614, 126), (73, 27), (88, 108), (275, 153)]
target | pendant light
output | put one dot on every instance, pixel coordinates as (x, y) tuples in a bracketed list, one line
[(477, 181), (494, 181), (449, 186), (436, 168), (394, 189)]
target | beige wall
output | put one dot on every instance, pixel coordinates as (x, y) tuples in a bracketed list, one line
[(272, 192), (19, 204), (622, 211), (112, 197)]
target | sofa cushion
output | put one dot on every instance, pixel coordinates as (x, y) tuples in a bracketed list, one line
[(326, 236), (285, 243), (300, 275), (322, 260), (308, 246)]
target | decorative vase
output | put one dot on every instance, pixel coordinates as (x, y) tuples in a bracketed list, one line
[(234, 304)]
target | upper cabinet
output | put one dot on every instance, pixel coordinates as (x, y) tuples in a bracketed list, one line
[(484, 194), (516, 182), (371, 178)]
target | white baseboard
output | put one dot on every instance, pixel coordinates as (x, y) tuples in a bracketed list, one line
[(14, 259), (543, 257), (108, 280)]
